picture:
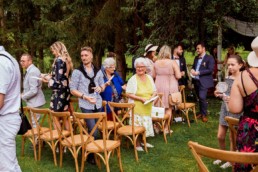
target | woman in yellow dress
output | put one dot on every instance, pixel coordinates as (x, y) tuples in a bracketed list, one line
[(140, 88)]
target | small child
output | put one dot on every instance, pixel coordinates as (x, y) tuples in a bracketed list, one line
[(235, 64)]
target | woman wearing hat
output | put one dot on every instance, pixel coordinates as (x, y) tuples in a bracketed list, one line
[(244, 97), (150, 54)]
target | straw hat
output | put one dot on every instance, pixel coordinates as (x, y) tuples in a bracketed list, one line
[(252, 57), (150, 47)]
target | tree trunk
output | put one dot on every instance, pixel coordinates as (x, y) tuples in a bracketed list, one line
[(120, 49)]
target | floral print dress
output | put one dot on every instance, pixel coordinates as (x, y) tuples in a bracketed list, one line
[(247, 134), (59, 83)]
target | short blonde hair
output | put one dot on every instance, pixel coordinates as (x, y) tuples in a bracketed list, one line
[(165, 52)]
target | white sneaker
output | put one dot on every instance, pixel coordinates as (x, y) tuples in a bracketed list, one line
[(226, 165), (148, 145), (217, 162), (139, 148)]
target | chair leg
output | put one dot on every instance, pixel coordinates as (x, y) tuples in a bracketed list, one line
[(23, 144), (119, 158), (163, 128), (53, 147), (187, 118), (76, 161), (84, 157), (34, 150), (135, 151), (61, 155), (194, 112), (40, 147)]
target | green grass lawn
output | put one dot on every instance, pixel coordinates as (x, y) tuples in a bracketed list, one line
[(173, 156)]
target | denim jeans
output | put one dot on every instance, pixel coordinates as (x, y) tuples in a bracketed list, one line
[(91, 122)]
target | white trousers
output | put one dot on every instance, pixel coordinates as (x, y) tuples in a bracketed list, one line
[(9, 126)]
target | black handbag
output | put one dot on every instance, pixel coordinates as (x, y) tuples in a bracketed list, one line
[(25, 124)]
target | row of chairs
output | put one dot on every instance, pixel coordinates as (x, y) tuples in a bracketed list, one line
[(76, 141)]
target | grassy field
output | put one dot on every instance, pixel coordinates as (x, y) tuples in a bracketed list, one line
[(173, 156)]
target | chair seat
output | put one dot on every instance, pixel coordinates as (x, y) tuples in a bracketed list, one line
[(166, 116), (46, 136), (186, 105), (35, 131), (127, 130), (77, 140), (110, 125), (98, 146)]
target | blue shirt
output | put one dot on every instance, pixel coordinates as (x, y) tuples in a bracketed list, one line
[(199, 62), (108, 92)]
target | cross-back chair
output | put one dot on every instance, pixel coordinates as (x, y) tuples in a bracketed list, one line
[(161, 122), (186, 107), (102, 148), (229, 156), (232, 124), (110, 124), (51, 136), (129, 131), (34, 134), (72, 142)]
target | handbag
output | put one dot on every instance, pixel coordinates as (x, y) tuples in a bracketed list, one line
[(175, 98), (25, 124), (157, 112)]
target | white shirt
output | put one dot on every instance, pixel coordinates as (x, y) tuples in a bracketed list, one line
[(10, 83)]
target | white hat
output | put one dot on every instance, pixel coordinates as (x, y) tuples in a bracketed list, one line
[(252, 57), (150, 47)]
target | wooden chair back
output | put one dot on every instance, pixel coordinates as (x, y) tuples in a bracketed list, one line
[(45, 120), (229, 156), (232, 124), (100, 117), (64, 117), (127, 112)]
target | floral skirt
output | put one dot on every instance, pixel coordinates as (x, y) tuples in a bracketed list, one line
[(247, 140), (146, 122)]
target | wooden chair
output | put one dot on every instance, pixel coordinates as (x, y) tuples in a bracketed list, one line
[(229, 156), (161, 122), (185, 107), (34, 134), (232, 124), (102, 148), (110, 124), (74, 105), (51, 136), (131, 132), (72, 142)]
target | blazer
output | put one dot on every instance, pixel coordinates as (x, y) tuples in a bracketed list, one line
[(183, 68), (206, 70), (32, 92)]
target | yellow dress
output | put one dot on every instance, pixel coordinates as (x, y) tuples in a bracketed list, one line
[(142, 112)]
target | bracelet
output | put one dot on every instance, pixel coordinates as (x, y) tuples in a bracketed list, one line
[(82, 96)]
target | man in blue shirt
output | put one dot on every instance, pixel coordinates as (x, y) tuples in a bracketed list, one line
[(201, 73)]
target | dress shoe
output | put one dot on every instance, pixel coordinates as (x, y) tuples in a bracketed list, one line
[(204, 119), (199, 116)]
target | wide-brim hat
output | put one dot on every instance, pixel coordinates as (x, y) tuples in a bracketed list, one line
[(150, 47), (252, 57)]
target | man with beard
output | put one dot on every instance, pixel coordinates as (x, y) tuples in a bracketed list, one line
[(179, 58), (201, 73)]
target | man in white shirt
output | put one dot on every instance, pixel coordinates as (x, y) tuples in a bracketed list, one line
[(10, 120)]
